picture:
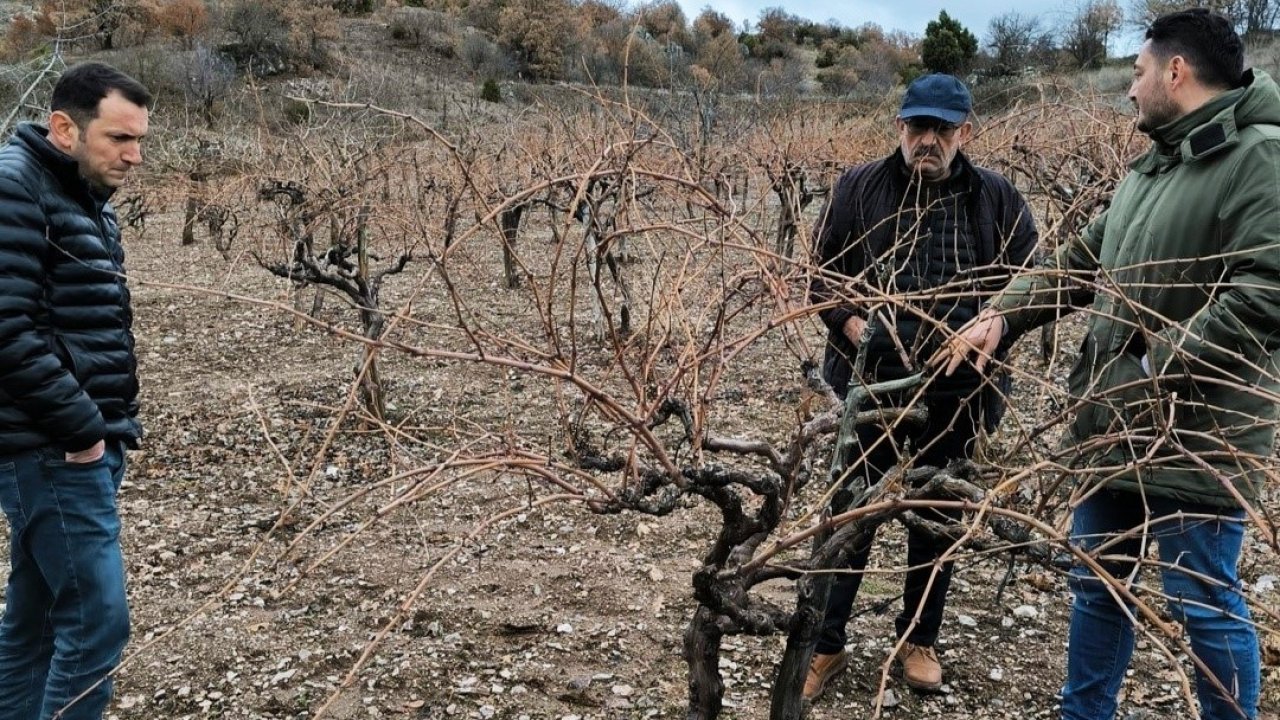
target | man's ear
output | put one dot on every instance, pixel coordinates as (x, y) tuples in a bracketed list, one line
[(966, 132), (63, 131), (1179, 72)]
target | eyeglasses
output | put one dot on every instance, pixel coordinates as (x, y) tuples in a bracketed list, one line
[(922, 125)]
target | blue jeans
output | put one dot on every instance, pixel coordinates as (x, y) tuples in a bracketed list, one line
[(66, 619), (1214, 614)]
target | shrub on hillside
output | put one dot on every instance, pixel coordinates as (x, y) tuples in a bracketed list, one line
[(185, 20), (259, 36), (152, 66), (354, 7), (430, 30), (541, 34), (482, 56), (838, 81), (90, 24), (22, 39), (274, 36), (490, 92)]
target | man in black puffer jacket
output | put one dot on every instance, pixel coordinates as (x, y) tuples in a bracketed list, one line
[(932, 233), (68, 394)]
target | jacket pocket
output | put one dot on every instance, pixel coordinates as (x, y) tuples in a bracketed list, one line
[(1079, 379), (1111, 391), (63, 352)]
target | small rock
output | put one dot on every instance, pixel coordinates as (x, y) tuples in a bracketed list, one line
[(996, 674), (579, 683), (564, 629), (890, 698), (966, 621), (623, 690), (1026, 611)]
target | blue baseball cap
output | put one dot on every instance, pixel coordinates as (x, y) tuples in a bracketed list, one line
[(937, 95)]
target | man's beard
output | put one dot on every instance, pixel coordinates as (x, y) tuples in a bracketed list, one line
[(1159, 112), (96, 185)]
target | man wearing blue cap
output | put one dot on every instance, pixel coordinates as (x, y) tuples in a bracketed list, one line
[(927, 229)]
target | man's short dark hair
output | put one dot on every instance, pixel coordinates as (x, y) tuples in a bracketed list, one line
[(1206, 40), (82, 87)]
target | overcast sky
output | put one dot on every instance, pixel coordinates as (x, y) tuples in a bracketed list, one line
[(896, 14)]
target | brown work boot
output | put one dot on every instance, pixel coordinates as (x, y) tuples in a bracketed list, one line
[(821, 670), (920, 667)]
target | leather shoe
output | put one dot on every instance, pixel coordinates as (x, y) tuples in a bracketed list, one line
[(821, 670), (920, 667)]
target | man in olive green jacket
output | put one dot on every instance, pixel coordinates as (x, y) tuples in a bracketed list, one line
[(1175, 392)]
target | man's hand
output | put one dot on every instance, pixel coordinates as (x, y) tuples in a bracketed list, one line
[(853, 329), (980, 336), (88, 455)]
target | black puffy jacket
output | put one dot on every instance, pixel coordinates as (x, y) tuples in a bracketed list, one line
[(859, 234), (68, 374)]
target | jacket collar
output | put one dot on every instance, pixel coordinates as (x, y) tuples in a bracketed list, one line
[(1205, 131), (64, 167)]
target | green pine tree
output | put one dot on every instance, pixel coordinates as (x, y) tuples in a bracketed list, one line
[(948, 47)]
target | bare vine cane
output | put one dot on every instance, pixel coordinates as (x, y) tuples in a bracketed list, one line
[(813, 589)]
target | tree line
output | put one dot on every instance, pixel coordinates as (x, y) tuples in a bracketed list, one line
[(606, 42)]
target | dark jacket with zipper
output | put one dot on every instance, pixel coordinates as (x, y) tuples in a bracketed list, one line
[(938, 250), (68, 373)]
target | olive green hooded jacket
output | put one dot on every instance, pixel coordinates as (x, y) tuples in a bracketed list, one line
[(1182, 275)]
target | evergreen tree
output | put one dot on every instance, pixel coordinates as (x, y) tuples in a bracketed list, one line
[(948, 47)]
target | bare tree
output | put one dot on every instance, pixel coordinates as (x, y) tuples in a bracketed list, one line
[(1088, 32), (207, 77), (1016, 42), (1252, 18)]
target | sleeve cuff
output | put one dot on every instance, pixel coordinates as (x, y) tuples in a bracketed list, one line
[(836, 317)]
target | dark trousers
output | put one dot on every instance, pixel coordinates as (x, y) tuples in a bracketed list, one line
[(948, 435)]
